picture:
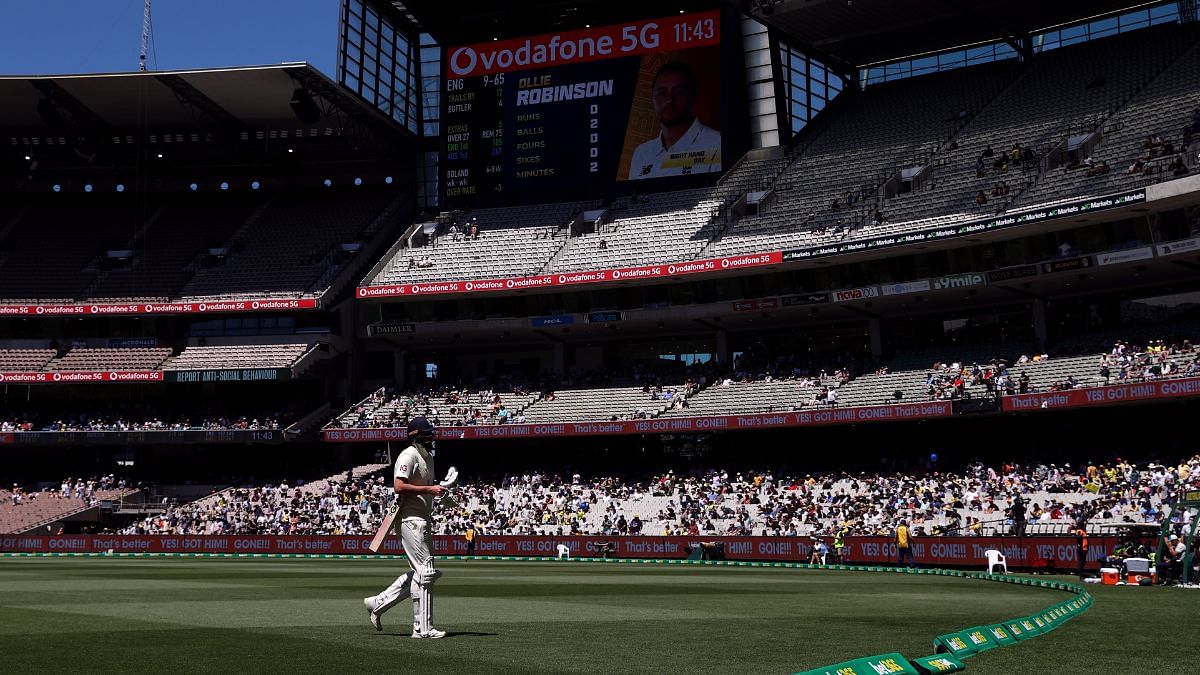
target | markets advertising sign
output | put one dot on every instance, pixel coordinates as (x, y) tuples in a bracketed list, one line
[(140, 308), (183, 436), (229, 375), (645, 272), (78, 376), (851, 294), (1121, 393), (1129, 255), (1012, 273), (905, 288), (973, 228), (547, 114), (1176, 247), (662, 425), (958, 281), (390, 328), (782, 549)]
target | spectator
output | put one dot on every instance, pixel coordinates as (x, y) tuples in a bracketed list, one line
[(903, 544)]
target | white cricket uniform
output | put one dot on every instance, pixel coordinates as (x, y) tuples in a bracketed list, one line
[(697, 151), (415, 465)]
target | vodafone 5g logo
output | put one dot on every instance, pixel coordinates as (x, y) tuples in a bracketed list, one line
[(463, 61)]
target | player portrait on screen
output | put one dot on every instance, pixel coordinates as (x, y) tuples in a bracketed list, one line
[(684, 145)]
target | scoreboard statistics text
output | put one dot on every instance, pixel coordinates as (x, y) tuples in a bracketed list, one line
[(537, 117)]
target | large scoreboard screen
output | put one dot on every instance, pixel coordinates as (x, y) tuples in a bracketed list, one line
[(537, 117)]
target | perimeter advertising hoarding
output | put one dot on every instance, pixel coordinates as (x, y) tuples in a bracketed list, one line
[(1057, 552), (80, 376), (547, 114), (973, 228), (1122, 393), (147, 308), (191, 436)]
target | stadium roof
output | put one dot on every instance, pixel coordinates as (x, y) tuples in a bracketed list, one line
[(849, 33), (289, 101), (860, 32)]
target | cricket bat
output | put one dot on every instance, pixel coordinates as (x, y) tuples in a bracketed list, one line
[(385, 528)]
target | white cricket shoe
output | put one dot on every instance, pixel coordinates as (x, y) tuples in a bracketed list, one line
[(376, 619), (431, 634)]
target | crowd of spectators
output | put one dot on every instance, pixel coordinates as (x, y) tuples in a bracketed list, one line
[(456, 405), (136, 421), (346, 506), (82, 490), (976, 502), (819, 374), (981, 500), (1155, 360)]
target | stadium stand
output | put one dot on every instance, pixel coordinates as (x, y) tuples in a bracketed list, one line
[(528, 236), (52, 250), (25, 360), (171, 247), (98, 358), (215, 357), (197, 247), (143, 418), (589, 405), (1163, 108), (449, 406), (713, 502), (993, 107), (644, 230), (1069, 93), (22, 510), (292, 243), (978, 373), (343, 503), (855, 154)]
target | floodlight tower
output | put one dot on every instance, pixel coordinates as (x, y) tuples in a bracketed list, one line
[(145, 35)]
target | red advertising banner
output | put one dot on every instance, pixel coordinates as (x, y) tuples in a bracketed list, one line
[(1023, 552), (1074, 398), (684, 31), (7, 438), (572, 278), (663, 425), (142, 308), (76, 376)]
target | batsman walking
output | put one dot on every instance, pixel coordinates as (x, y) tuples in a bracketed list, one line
[(416, 490)]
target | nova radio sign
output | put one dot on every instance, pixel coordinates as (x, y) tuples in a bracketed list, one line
[(850, 294)]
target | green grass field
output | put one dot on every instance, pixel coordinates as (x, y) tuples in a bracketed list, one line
[(237, 615)]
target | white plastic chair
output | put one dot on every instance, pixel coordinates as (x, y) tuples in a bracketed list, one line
[(996, 558), (564, 552)]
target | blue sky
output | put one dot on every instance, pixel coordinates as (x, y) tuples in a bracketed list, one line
[(93, 36)]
